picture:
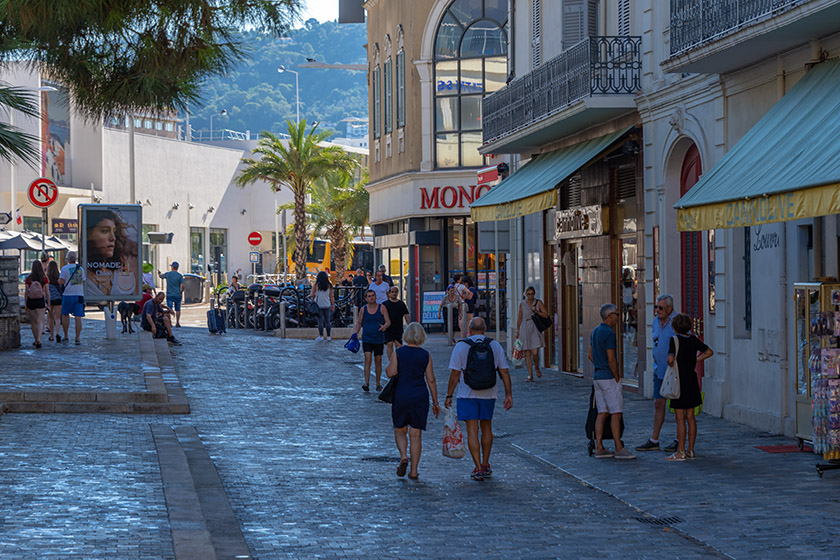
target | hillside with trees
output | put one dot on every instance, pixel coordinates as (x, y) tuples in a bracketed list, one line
[(259, 98)]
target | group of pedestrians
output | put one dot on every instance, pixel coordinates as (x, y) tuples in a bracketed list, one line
[(460, 291), (54, 295), (673, 345), (410, 367)]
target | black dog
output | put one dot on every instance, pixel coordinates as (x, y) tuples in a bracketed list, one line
[(127, 311)]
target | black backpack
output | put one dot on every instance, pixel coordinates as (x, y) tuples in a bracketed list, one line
[(481, 364)]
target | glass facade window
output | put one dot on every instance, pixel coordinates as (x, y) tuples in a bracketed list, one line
[(149, 252), (218, 252), (158, 125), (170, 127), (147, 124), (470, 60), (197, 250)]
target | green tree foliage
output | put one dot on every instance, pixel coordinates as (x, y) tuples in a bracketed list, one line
[(14, 142), (295, 163), (259, 98)]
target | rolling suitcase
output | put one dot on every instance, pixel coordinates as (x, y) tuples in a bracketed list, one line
[(215, 320)]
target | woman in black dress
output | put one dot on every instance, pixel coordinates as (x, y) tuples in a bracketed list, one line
[(691, 351), (411, 398)]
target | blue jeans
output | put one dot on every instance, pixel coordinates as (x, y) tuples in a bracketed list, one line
[(324, 316)]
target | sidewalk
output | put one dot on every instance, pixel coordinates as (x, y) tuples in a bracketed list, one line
[(735, 498)]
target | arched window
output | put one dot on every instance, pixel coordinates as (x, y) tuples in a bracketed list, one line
[(470, 61)]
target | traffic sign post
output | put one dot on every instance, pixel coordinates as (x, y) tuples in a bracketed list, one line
[(254, 257), (254, 238), (43, 193)]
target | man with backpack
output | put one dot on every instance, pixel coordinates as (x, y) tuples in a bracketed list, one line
[(474, 364)]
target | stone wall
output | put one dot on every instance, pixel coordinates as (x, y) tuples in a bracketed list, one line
[(10, 315)]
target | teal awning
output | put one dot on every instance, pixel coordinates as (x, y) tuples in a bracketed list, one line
[(533, 188), (786, 167)]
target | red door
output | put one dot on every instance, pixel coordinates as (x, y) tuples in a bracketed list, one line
[(692, 253)]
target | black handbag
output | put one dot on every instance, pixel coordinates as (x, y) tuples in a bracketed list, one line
[(542, 323), (387, 394)]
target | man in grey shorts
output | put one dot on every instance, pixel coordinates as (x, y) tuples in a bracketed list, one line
[(607, 381)]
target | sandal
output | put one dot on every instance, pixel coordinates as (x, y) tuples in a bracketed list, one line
[(403, 466), (415, 477), (366, 387), (539, 373), (676, 456)]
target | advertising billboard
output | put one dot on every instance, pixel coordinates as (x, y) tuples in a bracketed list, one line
[(110, 251), (55, 134)]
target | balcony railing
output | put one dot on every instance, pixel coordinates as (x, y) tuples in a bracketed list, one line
[(595, 66), (694, 22)]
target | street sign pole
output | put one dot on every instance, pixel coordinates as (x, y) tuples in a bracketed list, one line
[(285, 254), (44, 215)]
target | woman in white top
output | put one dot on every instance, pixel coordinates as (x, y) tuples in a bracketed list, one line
[(322, 293)]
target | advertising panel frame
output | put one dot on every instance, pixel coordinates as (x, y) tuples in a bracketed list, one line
[(116, 269)]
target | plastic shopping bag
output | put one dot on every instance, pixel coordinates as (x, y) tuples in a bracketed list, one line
[(453, 437), (518, 355)]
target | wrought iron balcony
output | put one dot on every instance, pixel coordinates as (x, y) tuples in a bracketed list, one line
[(597, 66), (695, 22)]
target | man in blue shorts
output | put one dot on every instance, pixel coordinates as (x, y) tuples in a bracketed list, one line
[(475, 407), (72, 278), (174, 290)]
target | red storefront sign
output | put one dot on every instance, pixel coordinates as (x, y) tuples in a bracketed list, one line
[(450, 197)]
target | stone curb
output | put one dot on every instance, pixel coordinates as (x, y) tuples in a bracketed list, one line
[(164, 394), (201, 519)]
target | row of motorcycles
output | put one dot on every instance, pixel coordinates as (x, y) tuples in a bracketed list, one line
[(259, 304)]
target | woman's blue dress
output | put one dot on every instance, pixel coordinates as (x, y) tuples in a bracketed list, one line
[(411, 399)]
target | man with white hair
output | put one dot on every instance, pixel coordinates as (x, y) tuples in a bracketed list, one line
[(661, 332), (72, 278)]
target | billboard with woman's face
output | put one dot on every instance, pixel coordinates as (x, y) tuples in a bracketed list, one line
[(110, 251)]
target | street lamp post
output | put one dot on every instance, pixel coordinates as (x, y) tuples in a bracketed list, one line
[(221, 114), (282, 69)]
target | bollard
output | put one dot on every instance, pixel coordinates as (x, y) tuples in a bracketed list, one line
[(449, 327), (235, 315), (265, 313), (256, 303), (110, 322), (282, 319), (246, 313), (465, 328), (355, 311)]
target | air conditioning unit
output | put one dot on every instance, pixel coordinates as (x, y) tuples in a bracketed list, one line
[(160, 238)]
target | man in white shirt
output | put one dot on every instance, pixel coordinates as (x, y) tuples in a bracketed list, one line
[(475, 406), (380, 288), (72, 277)]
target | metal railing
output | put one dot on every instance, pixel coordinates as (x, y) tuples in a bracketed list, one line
[(695, 22), (608, 65)]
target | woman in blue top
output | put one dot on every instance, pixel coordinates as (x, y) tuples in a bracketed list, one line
[(373, 322), (411, 398)]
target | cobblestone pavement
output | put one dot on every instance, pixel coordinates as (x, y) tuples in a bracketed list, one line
[(307, 460)]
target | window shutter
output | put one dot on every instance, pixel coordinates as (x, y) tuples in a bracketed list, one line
[(591, 18), (400, 89), (377, 102), (580, 20), (625, 183), (570, 192), (623, 27), (536, 34), (387, 88)]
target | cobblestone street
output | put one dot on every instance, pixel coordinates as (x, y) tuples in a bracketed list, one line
[(307, 462)]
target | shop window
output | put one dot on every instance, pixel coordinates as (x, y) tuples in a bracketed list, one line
[(147, 124), (170, 127), (138, 123), (218, 252), (197, 250), (158, 125), (470, 60)]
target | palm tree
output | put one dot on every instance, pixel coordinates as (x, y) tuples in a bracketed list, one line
[(340, 208), (295, 163), (14, 142)]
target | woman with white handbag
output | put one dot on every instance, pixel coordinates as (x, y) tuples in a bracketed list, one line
[(684, 353)]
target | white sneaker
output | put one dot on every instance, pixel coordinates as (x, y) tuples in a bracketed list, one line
[(329, 338), (320, 338)]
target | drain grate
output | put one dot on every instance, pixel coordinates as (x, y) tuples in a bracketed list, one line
[(501, 435), (381, 459), (659, 520)]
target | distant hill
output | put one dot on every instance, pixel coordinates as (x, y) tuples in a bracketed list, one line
[(259, 98)]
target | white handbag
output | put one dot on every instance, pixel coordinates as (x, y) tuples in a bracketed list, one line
[(671, 383)]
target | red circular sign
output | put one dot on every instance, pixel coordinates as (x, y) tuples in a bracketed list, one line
[(42, 192), (254, 238)]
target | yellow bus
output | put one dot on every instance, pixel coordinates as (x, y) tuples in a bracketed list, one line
[(319, 257)]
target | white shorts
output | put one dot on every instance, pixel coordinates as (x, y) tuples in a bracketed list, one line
[(608, 396)]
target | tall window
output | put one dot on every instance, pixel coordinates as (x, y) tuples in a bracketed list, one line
[(377, 103), (197, 250), (388, 89), (470, 60), (400, 89)]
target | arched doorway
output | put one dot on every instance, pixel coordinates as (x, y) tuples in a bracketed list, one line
[(691, 250)]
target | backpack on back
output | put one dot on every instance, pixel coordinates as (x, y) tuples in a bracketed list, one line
[(36, 290), (480, 372)]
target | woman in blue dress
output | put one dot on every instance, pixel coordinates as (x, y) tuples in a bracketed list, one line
[(411, 398), (373, 321)]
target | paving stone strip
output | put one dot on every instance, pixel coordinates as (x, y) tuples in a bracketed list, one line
[(163, 394), (201, 519)]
